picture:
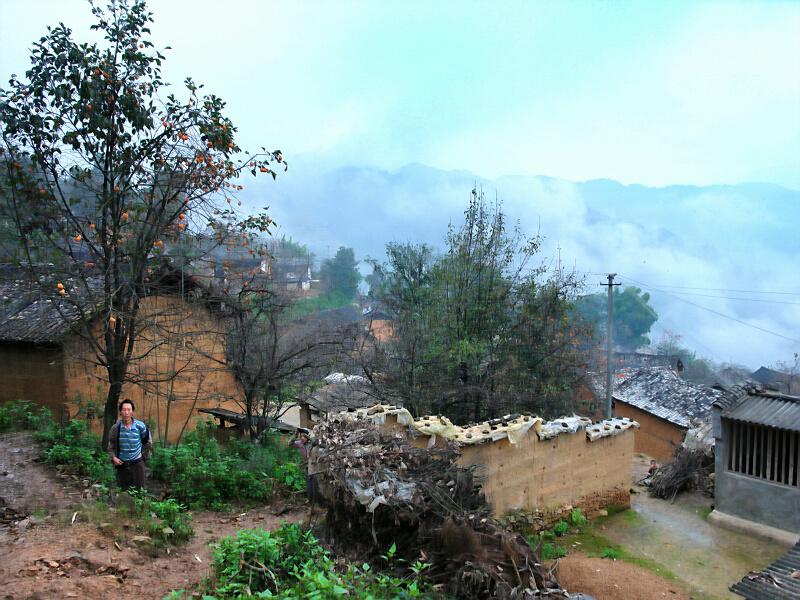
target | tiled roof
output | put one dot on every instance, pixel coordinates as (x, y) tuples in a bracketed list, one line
[(337, 397), (28, 314), (659, 391)]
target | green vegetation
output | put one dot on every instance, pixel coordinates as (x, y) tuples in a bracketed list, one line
[(290, 563), (561, 528), (203, 474), (74, 449), (577, 518), (588, 540), (479, 316), (633, 316), (21, 415), (340, 273), (704, 512), (165, 521), (309, 306), (551, 551)]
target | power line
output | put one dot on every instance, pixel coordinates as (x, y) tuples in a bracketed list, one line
[(711, 310), (704, 289), (741, 299)]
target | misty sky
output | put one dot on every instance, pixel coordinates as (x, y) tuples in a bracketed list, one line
[(640, 92), (652, 93)]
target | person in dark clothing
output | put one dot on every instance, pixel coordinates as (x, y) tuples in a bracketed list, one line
[(129, 444)]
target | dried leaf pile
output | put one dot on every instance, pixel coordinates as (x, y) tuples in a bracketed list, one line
[(689, 470), (379, 490)]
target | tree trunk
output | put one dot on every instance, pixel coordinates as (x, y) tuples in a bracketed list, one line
[(111, 410)]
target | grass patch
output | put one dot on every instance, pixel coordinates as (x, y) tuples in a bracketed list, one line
[(165, 522), (592, 543), (611, 553), (704, 512)]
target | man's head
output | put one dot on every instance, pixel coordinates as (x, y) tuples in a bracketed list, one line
[(653, 462), (126, 409)]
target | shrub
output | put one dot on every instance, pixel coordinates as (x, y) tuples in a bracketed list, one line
[(21, 415), (165, 521), (552, 551), (561, 528), (75, 450), (577, 518), (611, 553), (202, 474), (290, 563), (257, 560)]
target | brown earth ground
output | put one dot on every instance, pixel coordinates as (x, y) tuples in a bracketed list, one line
[(614, 580), (60, 554), (53, 557)]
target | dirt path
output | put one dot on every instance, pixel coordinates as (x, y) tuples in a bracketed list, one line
[(678, 536), (612, 580), (54, 557)]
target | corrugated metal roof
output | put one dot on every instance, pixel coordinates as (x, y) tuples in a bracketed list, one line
[(772, 410), (774, 582)]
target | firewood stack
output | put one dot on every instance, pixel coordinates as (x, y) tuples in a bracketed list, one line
[(379, 490), (690, 469)]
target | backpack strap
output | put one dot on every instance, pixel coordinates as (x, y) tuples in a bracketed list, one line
[(118, 427), (146, 435)]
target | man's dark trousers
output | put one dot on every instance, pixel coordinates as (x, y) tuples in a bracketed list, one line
[(130, 474)]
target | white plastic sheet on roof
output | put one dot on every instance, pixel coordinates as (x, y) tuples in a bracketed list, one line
[(342, 378)]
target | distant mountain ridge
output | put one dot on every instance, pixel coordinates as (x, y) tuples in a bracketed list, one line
[(728, 237)]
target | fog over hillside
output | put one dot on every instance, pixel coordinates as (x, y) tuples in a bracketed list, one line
[(702, 252)]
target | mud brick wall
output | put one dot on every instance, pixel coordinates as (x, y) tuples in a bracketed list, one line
[(545, 475), (34, 373), (181, 368), (655, 437)]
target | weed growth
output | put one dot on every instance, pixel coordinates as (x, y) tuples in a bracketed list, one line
[(21, 415), (290, 563), (577, 518), (75, 450), (551, 551), (165, 521), (561, 528), (203, 474)]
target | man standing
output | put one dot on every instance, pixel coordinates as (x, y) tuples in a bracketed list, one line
[(128, 444)]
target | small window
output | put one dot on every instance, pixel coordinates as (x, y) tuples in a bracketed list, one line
[(764, 452)]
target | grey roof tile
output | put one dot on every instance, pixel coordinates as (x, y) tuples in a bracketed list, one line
[(659, 391)]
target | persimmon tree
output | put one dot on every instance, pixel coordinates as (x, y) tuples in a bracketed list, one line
[(105, 171)]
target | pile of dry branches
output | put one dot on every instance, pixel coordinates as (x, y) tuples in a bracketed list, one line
[(689, 470), (380, 490)]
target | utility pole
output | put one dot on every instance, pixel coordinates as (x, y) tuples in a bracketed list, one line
[(609, 343)]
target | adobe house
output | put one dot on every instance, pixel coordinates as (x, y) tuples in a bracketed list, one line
[(757, 457), (378, 323), (46, 357), (530, 465), (664, 405), (786, 383)]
